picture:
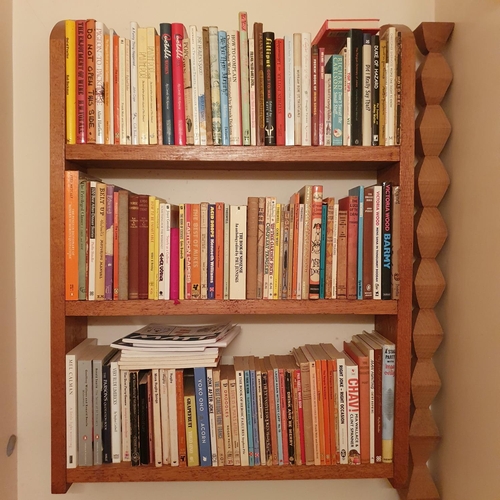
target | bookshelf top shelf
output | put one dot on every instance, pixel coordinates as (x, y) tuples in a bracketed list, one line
[(244, 158)]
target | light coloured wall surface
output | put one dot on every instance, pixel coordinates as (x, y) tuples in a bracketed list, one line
[(467, 463), (31, 146), (8, 465)]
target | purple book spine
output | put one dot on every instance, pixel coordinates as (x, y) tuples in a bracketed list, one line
[(174, 263), (108, 259)]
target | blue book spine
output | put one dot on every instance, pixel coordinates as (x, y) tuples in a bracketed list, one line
[(167, 103), (255, 422), (205, 451), (359, 191), (249, 410), (279, 424), (337, 99), (211, 252), (224, 99), (322, 254)]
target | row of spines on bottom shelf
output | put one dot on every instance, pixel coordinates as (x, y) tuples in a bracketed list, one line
[(121, 245), (315, 406), (232, 87)]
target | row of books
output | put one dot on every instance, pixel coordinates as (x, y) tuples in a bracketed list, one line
[(185, 85), (315, 406), (120, 245)]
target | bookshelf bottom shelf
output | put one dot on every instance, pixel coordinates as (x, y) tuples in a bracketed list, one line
[(125, 472)]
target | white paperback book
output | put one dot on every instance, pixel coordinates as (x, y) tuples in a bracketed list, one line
[(237, 252)]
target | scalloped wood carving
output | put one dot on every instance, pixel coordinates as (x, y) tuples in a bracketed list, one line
[(432, 130), (434, 77), (429, 283), (431, 181), (427, 333), (430, 232), (425, 383), (432, 37)]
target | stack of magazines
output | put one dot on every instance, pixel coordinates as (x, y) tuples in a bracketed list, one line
[(170, 346)]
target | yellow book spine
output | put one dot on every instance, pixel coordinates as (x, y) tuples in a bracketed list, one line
[(181, 251), (151, 72), (277, 233), (70, 34), (142, 85), (191, 431), (151, 247)]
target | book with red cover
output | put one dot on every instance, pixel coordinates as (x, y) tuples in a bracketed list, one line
[(361, 359), (133, 246), (350, 205), (279, 50), (143, 246), (178, 34), (333, 32)]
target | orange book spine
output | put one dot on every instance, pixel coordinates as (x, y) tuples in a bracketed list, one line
[(116, 258), (116, 89), (71, 233), (181, 423), (187, 250), (219, 251), (350, 205), (195, 251)]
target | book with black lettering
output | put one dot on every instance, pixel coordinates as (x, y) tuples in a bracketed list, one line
[(202, 418), (269, 89), (356, 36), (386, 240), (135, 444), (167, 105)]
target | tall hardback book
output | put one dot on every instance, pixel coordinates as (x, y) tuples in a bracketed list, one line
[(314, 95), (215, 85), (269, 88), (377, 241), (367, 116), (135, 457), (356, 60), (70, 68), (81, 73), (259, 82), (297, 89), (108, 242), (188, 89), (375, 83), (306, 99), (396, 241), (279, 50)]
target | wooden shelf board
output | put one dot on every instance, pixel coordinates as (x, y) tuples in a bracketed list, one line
[(244, 158), (265, 307), (125, 472)]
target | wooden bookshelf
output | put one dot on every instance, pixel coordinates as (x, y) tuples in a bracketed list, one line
[(69, 319)]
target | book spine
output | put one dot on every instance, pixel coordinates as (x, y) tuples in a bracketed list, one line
[(125, 414), (353, 415), (122, 86), (100, 32), (335, 249), (269, 88), (182, 252), (114, 99), (226, 422), (81, 77), (100, 237), (261, 216), (142, 86), (396, 241), (224, 85), (109, 245), (143, 255), (102, 413), (322, 263), (277, 246), (387, 240), (164, 417), (321, 96), (260, 417), (255, 418), (388, 385), (398, 89), (252, 243), (134, 419), (178, 426), (219, 250), (226, 251), (211, 416), (134, 83), (300, 247), (116, 416), (215, 85), (174, 263), (133, 247), (249, 417), (188, 277), (338, 116), (289, 416), (391, 85), (267, 455), (359, 191), (279, 423), (356, 87), (144, 444), (244, 78), (279, 50), (330, 212), (162, 240), (237, 249), (70, 68), (328, 109), (314, 95), (368, 217), (315, 241), (284, 425), (151, 85), (234, 81), (377, 242), (297, 83), (341, 287), (207, 91), (219, 423), (188, 89), (204, 249), (253, 91), (383, 92), (166, 83), (71, 230), (375, 81), (367, 116), (347, 123), (193, 47), (307, 199), (306, 90), (342, 412), (289, 91), (89, 84), (202, 417), (241, 418), (192, 442), (169, 417), (128, 98), (285, 254), (211, 251), (259, 83), (195, 251)]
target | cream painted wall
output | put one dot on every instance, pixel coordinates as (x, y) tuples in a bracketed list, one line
[(467, 464), (33, 21), (8, 465)]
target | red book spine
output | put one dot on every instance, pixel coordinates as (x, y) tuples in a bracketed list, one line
[(133, 247), (178, 85), (81, 76), (279, 51), (321, 97), (174, 263), (143, 246)]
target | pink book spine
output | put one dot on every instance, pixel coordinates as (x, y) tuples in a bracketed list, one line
[(108, 256), (174, 263), (178, 85)]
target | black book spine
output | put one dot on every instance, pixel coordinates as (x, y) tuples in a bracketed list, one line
[(289, 416), (267, 420), (134, 418), (375, 89), (167, 103), (269, 89), (387, 240), (106, 416), (356, 87), (143, 421)]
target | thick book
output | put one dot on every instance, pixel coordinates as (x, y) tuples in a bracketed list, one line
[(396, 241), (269, 88), (72, 394), (375, 83), (234, 80), (386, 274), (108, 243), (70, 68), (356, 97), (178, 33), (353, 411), (367, 117)]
